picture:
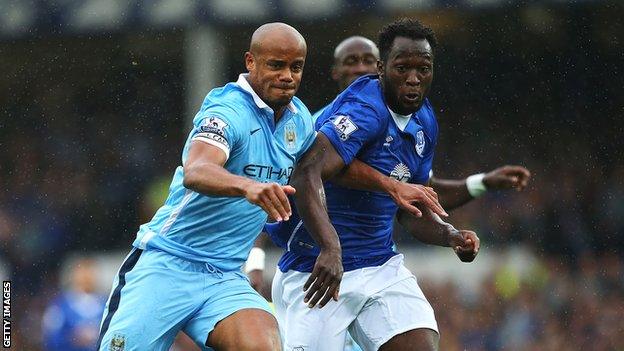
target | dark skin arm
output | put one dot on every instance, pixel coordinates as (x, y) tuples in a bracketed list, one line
[(430, 229), (319, 163), (256, 276), (359, 175), (453, 193)]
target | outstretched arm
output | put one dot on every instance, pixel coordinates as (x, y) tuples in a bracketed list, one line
[(454, 193), (430, 229), (320, 162), (359, 175)]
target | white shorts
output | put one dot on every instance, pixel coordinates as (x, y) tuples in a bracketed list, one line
[(375, 304)]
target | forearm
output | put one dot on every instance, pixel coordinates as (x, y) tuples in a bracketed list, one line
[(361, 176), (310, 202), (212, 179), (429, 229), (451, 193)]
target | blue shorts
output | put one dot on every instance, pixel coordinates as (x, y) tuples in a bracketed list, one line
[(155, 295)]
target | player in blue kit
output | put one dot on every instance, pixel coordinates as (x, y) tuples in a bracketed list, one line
[(388, 123), (184, 272)]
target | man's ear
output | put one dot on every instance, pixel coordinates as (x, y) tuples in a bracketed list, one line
[(250, 61), (334, 73)]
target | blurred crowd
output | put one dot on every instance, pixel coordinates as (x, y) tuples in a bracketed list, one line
[(557, 306), (92, 129)]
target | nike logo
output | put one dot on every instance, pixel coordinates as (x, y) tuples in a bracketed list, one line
[(253, 131)]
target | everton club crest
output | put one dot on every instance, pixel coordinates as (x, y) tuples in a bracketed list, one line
[(420, 143)]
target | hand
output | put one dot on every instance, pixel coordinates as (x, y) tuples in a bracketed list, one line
[(324, 282), (465, 243), (507, 177), (406, 194), (256, 279), (271, 197)]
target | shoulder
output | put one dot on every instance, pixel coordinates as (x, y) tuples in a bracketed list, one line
[(225, 105), (365, 93)]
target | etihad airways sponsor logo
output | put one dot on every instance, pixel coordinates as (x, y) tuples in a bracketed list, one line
[(268, 173)]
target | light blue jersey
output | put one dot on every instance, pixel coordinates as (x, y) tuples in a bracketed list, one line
[(184, 272), (221, 230)]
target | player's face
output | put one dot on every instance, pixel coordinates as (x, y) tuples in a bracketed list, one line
[(407, 74), (275, 72), (355, 60)]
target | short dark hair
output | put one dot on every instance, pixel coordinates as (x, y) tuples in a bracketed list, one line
[(404, 27)]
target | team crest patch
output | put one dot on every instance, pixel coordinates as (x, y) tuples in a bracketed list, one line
[(420, 142), (401, 173), (345, 127), (290, 136), (118, 343)]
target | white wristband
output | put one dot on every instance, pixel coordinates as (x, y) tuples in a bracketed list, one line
[(475, 185), (255, 261)]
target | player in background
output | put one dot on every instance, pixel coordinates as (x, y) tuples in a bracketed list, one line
[(388, 123), (71, 321), (184, 271)]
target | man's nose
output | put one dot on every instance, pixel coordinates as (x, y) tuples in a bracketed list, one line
[(412, 78), (286, 75), (362, 68)]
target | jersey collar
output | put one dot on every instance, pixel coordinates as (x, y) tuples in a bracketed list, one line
[(244, 84)]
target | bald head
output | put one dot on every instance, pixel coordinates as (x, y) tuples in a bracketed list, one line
[(275, 62), (355, 42), (275, 34), (354, 57)]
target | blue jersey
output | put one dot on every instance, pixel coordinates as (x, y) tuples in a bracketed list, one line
[(72, 322), (359, 124), (221, 230)]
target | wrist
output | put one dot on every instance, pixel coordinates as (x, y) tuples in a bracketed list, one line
[(333, 248), (451, 235), (475, 185), (256, 260)]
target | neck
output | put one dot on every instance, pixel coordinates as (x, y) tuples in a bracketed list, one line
[(278, 112)]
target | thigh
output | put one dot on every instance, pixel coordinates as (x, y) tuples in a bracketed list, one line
[(310, 329), (416, 339), (147, 307), (395, 310), (234, 317), (246, 330)]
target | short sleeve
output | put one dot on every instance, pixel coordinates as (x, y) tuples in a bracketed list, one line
[(351, 127), (217, 126)]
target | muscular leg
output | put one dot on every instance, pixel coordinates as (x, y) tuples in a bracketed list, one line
[(413, 340), (246, 330)]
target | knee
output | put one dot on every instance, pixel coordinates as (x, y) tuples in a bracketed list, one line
[(267, 342)]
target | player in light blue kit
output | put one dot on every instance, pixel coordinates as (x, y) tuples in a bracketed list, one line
[(388, 123), (184, 272)]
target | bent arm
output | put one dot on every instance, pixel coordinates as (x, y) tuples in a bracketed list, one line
[(359, 175), (430, 229), (452, 193), (204, 172), (319, 163)]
